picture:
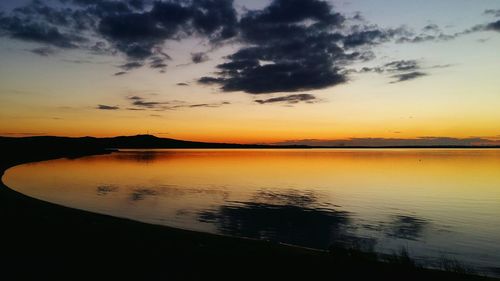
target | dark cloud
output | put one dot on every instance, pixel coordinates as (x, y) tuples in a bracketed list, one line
[(120, 73), (199, 57), (408, 76), (43, 51), (134, 27), (405, 70), (492, 12), (495, 26), (210, 80), (39, 32), (182, 84), (209, 105), (394, 66), (107, 107), (158, 63), (371, 36), (131, 65), (431, 28), (290, 99), (141, 103), (138, 33), (402, 65), (287, 46), (296, 45), (291, 48)]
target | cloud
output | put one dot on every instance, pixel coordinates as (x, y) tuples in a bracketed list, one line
[(495, 26), (138, 33), (199, 57), (131, 27), (495, 13), (287, 46), (290, 99), (107, 107), (209, 105), (393, 66), (158, 63), (405, 70), (43, 51), (402, 65), (120, 73), (431, 28), (291, 47), (408, 76), (182, 84), (39, 32), (140, 103), (131, 65)]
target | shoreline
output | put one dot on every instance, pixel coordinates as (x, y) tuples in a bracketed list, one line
[(42, 234)]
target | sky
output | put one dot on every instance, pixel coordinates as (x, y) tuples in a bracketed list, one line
[(263, 71)]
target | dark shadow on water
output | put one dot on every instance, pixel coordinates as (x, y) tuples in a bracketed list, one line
[(302, 218), (291, 198), (106, 189), (293, 217), (144, 157), (407, 227), (289, 224), (142, 193)]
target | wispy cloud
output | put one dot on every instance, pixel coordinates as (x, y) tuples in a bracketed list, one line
[(290, 99), (107, 107), (43, 51), (493, 12), (139, 103), (407, 76)]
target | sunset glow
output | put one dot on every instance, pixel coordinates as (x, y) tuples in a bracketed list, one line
[(400, 86)]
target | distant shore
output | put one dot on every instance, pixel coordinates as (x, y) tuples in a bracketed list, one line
[(40, 239)]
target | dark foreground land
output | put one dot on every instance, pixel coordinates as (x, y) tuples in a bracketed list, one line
[(40, 240)]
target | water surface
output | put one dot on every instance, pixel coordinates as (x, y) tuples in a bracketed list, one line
[(436, 203)]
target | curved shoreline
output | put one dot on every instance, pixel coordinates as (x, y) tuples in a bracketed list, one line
[(40, 234), (90, 213)]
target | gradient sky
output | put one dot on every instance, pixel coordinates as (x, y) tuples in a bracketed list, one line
[(416, 69)]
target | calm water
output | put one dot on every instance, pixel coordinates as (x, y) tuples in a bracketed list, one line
[(437, 203)]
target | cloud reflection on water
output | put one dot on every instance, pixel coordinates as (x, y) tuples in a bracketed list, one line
[(293, 217)]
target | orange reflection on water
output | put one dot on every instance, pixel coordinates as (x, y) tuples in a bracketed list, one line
[(451, 190)]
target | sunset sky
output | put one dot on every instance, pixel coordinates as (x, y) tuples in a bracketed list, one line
[(261, 71)]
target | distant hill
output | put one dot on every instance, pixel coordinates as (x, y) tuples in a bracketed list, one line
[(92, 143), (85, 145)]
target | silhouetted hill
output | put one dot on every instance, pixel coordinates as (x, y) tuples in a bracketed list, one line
[(149, 141), (85, 145)]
